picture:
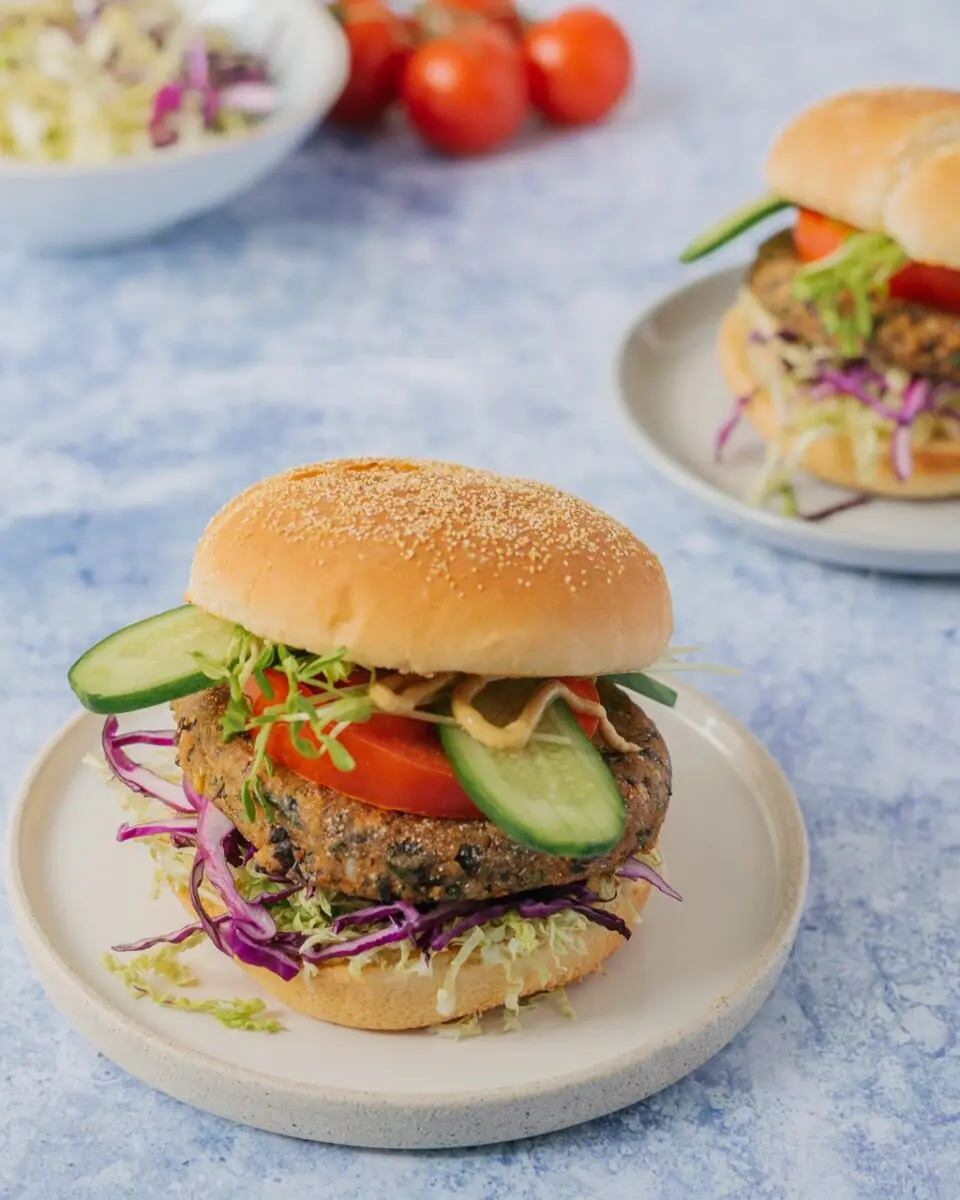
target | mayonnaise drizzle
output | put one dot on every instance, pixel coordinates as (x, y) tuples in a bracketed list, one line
[(401, 694), (519, 731)]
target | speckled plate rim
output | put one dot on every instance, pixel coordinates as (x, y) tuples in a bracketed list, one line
[(821, 540), (354, 1117)]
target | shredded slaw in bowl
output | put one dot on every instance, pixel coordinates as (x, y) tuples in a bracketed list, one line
[(90, 81)]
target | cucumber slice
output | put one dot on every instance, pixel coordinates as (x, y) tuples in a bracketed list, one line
[(555, 797), (150, 662), (732, 226), (641, 683)]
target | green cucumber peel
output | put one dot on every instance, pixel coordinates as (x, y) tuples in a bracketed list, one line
[(645, 685), (150, 662), (733, 226), (558, 798)]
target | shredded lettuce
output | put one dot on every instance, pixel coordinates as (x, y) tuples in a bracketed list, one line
[(846, 284), (817, 395), (562, 1000), (327, 711), (511, 1018), (502, 941), (446, 993), (463, 1027), (140, 973), (94, 81)]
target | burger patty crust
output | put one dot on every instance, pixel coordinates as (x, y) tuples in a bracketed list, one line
[(345, 845), (919, 340)]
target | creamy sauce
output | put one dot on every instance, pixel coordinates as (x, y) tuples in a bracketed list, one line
[(517, 733), (401, 695)]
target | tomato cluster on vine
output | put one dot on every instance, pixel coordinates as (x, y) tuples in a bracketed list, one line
[(468, 74)]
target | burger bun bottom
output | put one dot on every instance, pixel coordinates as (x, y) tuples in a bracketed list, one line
[(936, 466), (385, 999)]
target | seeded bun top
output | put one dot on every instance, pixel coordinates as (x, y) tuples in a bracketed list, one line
[(885, 159), (428, 567)]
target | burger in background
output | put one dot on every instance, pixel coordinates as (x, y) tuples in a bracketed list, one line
[(843, 348)]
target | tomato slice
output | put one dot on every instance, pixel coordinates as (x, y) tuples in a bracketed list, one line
[(815, 236), (936, 287), (400, 764), (586, 689)]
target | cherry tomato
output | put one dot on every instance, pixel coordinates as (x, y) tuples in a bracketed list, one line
[(380, 44), (400, 763), (502, 13), (815, 236), (466, 92), (579, 66)]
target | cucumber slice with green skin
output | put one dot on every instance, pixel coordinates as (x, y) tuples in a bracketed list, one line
[(150, 662), (653, 689), (559, 798), (732, 226)]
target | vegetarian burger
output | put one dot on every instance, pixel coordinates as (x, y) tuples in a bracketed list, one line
[(843, 348), (415, 785)]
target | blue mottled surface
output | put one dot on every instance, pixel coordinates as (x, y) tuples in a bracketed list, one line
[(369, 299)]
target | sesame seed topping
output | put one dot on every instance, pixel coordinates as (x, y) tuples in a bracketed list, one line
[(457, 520)]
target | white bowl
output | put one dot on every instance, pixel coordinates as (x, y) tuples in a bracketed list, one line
[(65, 206)]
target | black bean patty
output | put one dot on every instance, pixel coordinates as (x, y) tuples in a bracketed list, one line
[(922, 341), (347, 846)]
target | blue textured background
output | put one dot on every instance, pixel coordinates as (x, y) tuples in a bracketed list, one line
[(371, 299)]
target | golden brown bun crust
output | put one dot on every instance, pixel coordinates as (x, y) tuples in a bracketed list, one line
[(428, 567), (383, 999), (936, 467), (883, 159)]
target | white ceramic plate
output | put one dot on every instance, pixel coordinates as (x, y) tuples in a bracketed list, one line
[(692, 976), (675, 400)]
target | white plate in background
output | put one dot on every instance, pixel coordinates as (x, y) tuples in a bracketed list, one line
[(691, 977), (674, 398)]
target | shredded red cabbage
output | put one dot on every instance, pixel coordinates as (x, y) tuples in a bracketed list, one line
[(185, 829), (854, 382), (359, 945), (247, 930), (238, 81), (166, 102), (633, 868), (198, 79), (227, 69), (400, 911), (242, 944), (831, 510), (917, 398), (256, 99), (727, 428), (172, 939), (146, 737), (858, 380), (138, 778)]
